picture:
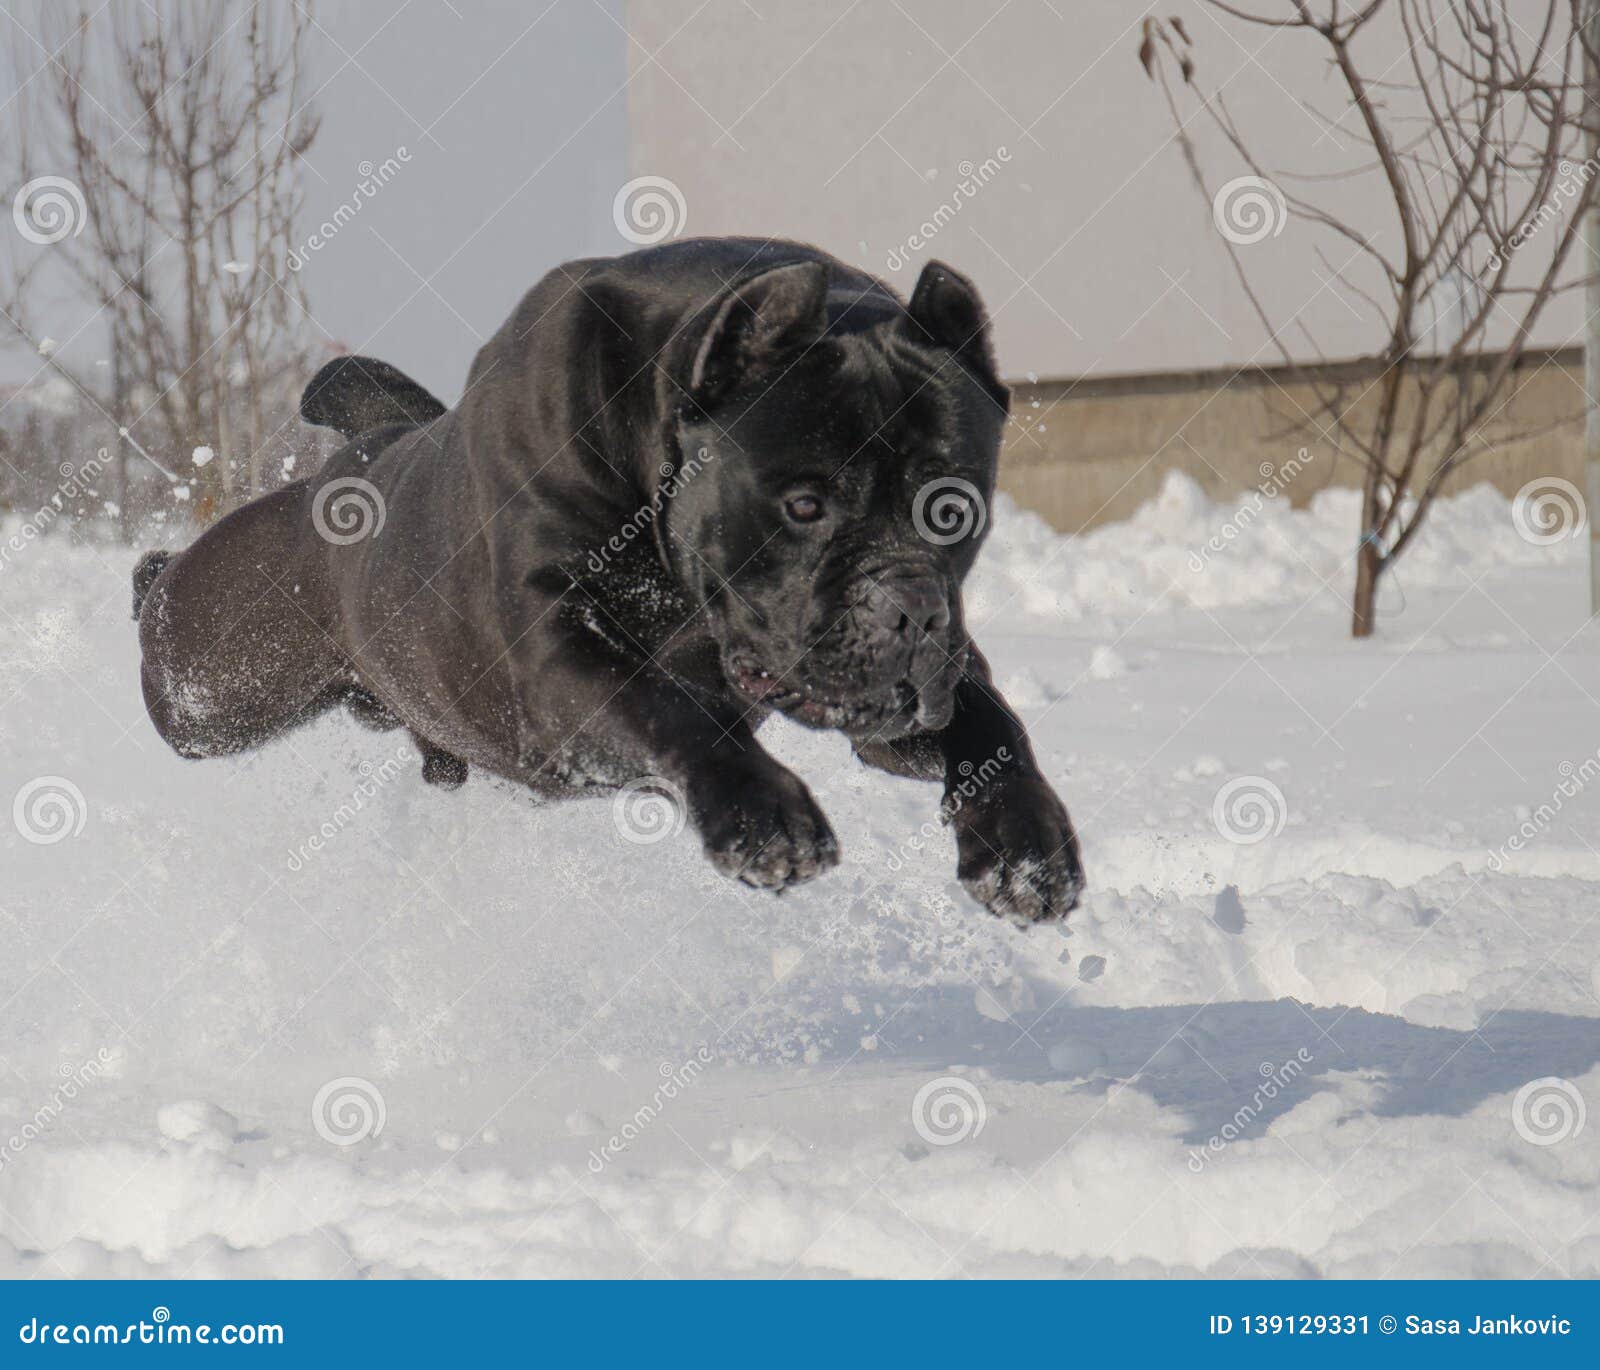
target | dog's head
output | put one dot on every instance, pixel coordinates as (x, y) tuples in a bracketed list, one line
[(837, 464)]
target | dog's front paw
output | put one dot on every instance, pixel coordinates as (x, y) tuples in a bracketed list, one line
[(1018, 852), (762, 826)]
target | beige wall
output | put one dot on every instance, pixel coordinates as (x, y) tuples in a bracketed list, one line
[(1090, 452)]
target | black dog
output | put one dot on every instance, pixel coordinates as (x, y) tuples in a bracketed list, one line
[(685, 488)]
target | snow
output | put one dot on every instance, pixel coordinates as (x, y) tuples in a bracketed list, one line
[(469, 1035)]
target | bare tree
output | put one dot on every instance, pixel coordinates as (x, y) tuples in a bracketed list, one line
[(1472, 119), (158, 158)]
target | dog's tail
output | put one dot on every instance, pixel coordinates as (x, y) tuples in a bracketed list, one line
[(151, 565), (355, 394)]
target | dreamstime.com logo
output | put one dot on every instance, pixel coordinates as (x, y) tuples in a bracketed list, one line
[(1248, 210), (74, 1079), (970, 784), (948, 1111), (973, 179), (348, 509), (1274, 481), (1249, 809), (76, 482), (948, 509), (49, 210), (673, 479), (673, 1081), (373, 179), (373, 778), (1548, 510), (348, 1110), (49, 809), (1574, 780), (1274, 1080), (1569, 187), (160, 1330), (648, 810), (1548, 1111), (649, 210)]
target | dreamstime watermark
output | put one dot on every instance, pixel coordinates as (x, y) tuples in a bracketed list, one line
[(1548, 510), (49, 210), (74, 1079), (1249, 809), (649, 210), (971, 780), (373, 179), (1248, 210), (48, 809), (1575, 778), (159, 1330), (673, 1081), (1569, 187), (348, 1110), (673, 479), (947, 509), (373, 779), (1275, 1079), (348, 509), (1548, 1111), (76, 482), (974, 177), (1274, 481), (648, 810), (948, 1111)]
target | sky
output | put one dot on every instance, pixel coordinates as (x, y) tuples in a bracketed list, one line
[(513, 121)]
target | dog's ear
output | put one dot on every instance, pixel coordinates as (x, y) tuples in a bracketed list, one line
[(945, 310), (758, 324)]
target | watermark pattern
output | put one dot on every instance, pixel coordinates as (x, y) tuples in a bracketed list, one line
[(1548, 510), (49, 210), (1548, 1111), (948, 509), (649, 210), (348, 1110), (1569, 187), (673, 479), (948, 1111), (373, 779), (373, 179), (49, 809), (973, 778), (1248, 210), (1249, 809), (348, 509), (674, 1079), (1274, 481), (1274, 1080), (648, 810), (973, 179), (1575, 778), (74, 1080), (76, 482)]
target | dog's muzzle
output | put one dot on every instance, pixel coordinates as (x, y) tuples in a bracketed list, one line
[(887, 666)]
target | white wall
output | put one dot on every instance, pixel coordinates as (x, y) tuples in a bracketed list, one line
[(846, 124)]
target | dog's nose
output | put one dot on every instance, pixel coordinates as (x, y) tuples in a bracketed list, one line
[(909, 606)]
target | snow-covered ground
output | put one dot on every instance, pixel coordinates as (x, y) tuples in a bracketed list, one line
[(1255, 1049)]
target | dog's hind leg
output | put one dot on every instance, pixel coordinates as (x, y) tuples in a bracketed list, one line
[(236, 631)]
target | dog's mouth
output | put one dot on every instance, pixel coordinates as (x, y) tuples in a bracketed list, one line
[(903, 709)]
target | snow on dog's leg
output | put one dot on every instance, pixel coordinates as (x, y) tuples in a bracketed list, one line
[(235, 632)]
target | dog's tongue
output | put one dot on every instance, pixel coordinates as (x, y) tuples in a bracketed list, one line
[(758, 683)]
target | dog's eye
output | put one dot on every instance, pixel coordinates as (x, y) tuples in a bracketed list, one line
[(803, 508)]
